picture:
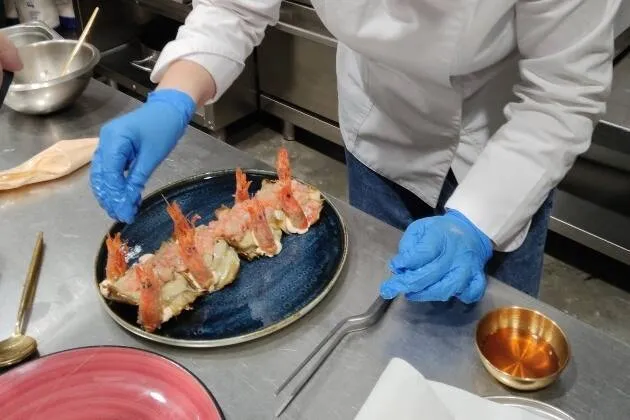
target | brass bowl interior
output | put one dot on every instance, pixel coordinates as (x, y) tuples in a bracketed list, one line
[(533, 323)]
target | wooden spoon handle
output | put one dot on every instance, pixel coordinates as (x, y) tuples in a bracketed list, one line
[(79, 44)]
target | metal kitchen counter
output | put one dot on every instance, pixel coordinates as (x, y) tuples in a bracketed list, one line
[(437, 339)]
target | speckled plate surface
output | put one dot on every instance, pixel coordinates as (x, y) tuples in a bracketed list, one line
[(267, 295)]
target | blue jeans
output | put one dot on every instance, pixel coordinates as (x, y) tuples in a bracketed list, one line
[(395, 205)]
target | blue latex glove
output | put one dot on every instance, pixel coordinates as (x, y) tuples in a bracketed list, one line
[(439, 258), (137, 143)]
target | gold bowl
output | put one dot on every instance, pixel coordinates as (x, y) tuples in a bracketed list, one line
[(522, 348)]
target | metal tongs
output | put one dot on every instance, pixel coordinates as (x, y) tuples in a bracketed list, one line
[(351, 324)]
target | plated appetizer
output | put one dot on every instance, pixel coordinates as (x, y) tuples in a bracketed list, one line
[(203, 259)]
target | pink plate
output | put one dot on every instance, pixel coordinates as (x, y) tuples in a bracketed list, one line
[(104, 383)]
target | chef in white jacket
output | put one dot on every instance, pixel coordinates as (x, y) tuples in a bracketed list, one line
[(459, 119)]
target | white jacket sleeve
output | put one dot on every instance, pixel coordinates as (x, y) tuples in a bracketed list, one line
[(219, 35), (566, 74)]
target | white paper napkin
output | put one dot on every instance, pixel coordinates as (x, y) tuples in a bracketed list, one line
[(402, 393)]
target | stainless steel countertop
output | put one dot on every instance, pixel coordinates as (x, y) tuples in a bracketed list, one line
[(437, 339)]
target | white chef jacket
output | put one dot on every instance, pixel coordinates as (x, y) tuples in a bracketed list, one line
[(504, 92)]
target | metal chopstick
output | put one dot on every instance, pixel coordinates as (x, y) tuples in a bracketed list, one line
[(351, 324)]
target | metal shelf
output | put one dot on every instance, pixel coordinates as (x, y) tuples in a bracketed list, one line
[(310, 122), (591, 225), (168, 8)]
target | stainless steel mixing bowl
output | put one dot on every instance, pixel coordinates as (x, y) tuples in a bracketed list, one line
[(39, 87)]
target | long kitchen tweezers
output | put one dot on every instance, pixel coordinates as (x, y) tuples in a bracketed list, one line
[(351, 324)]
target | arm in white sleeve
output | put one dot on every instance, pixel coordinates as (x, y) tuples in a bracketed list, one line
[(219, 35), (566, 74)]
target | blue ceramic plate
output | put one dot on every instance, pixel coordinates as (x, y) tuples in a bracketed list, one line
[(267, 295)]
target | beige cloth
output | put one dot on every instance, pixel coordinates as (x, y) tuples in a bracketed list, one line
[(60, 159)]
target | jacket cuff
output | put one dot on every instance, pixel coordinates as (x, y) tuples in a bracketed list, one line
[(501, 205), (484, 242)]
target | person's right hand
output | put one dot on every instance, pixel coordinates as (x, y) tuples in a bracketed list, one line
[(9, 58), (439, 258), (137, 143)]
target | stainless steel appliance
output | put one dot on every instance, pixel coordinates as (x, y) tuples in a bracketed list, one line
[(130, 34), (592, 205), (297, 77)]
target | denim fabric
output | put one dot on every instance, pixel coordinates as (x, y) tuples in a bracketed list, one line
[(395, 205)]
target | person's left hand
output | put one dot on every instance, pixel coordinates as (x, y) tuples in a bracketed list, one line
[(132, 146), (9, 57), (439, 258)]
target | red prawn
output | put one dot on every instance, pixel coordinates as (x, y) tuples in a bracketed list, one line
[(282, 164), (242, 186), (289, 205), (150, 305), (260, 228), (116, 264), (184, 233)]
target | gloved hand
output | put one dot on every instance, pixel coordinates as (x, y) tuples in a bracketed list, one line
[(439, 258), (137, 143)]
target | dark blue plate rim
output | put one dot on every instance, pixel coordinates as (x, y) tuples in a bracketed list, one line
[(270, 329)]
